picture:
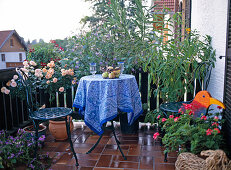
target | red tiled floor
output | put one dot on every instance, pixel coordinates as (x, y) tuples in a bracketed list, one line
[(141, 150)]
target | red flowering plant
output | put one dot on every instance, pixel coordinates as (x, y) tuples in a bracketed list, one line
[(191, 134)]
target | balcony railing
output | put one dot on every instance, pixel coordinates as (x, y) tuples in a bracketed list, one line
[(13, 111)]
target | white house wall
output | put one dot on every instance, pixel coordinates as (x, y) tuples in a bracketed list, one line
[(210, 17), (11, 57)]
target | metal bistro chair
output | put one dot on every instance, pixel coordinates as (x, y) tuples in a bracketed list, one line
[(173, 107), (202, 70), (41, 115)]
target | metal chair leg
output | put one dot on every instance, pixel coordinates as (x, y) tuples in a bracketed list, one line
[(36, 126), (118, 142), (69, 138), (112, 125), (93, 147), (165, 157)]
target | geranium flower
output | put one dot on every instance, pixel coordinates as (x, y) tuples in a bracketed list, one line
[(216, 118), (209, 132), (203, 117), (215, 124), (164, 119), (217, 130), (155, 136), (171, 116), (176, 119)]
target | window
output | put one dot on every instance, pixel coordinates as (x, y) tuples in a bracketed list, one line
[(20, 56), (3, 57), (11, 42)]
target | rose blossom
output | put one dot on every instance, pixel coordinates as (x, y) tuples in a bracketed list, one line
[(7, 91), (33, 63), (3, 89), (55, 80), (155, 136), (61, 89), (13, 84), (8, 83), (44, 70), (48, 81), (15, 77)]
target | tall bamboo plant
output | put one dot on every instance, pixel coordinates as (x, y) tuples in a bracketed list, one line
[(160, 49)]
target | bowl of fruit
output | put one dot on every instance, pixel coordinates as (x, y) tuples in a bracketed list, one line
[(111, 72)]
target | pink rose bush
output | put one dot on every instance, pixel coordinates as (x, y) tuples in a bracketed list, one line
[(55, 76), (191, 134)]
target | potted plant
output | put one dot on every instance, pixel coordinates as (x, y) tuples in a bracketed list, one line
[(18, 151), (30, 131), (186, 133)]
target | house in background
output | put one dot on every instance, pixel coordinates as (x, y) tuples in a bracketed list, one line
[(12, 49)]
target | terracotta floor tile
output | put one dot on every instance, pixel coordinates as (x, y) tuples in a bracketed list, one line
[(62, 167), (134, 150), (146, 162), (65, 158), (141, 150), (114, 152), (108, 168), (85, 162), (164, 167), (92, 156), (132, 165), (119, 158), (86, 168), (104, 161)]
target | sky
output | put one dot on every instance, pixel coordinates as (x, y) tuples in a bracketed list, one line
[(43, 19)]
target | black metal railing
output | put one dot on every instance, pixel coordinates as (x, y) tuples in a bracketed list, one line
[(13, 111)]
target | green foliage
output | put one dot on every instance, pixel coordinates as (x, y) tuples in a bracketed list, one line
[(19, 150), (43, 53), (158, 46)]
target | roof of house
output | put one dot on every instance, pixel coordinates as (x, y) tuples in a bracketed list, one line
[(5, 35), (159, 5)]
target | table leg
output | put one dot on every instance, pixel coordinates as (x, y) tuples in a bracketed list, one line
[(93, 147), (117, 141)]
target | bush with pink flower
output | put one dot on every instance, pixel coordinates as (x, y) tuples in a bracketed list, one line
[(55, 76), (189, 133)]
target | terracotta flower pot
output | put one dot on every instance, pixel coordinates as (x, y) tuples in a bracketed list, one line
[(31, 132), (58, 129)]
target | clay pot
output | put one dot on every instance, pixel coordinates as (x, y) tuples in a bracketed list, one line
[(29, 130), (58, 129)]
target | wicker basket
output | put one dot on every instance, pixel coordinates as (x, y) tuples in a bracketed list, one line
[(216, 160)]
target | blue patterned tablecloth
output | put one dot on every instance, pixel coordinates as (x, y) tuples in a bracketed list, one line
[(99, 99)]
